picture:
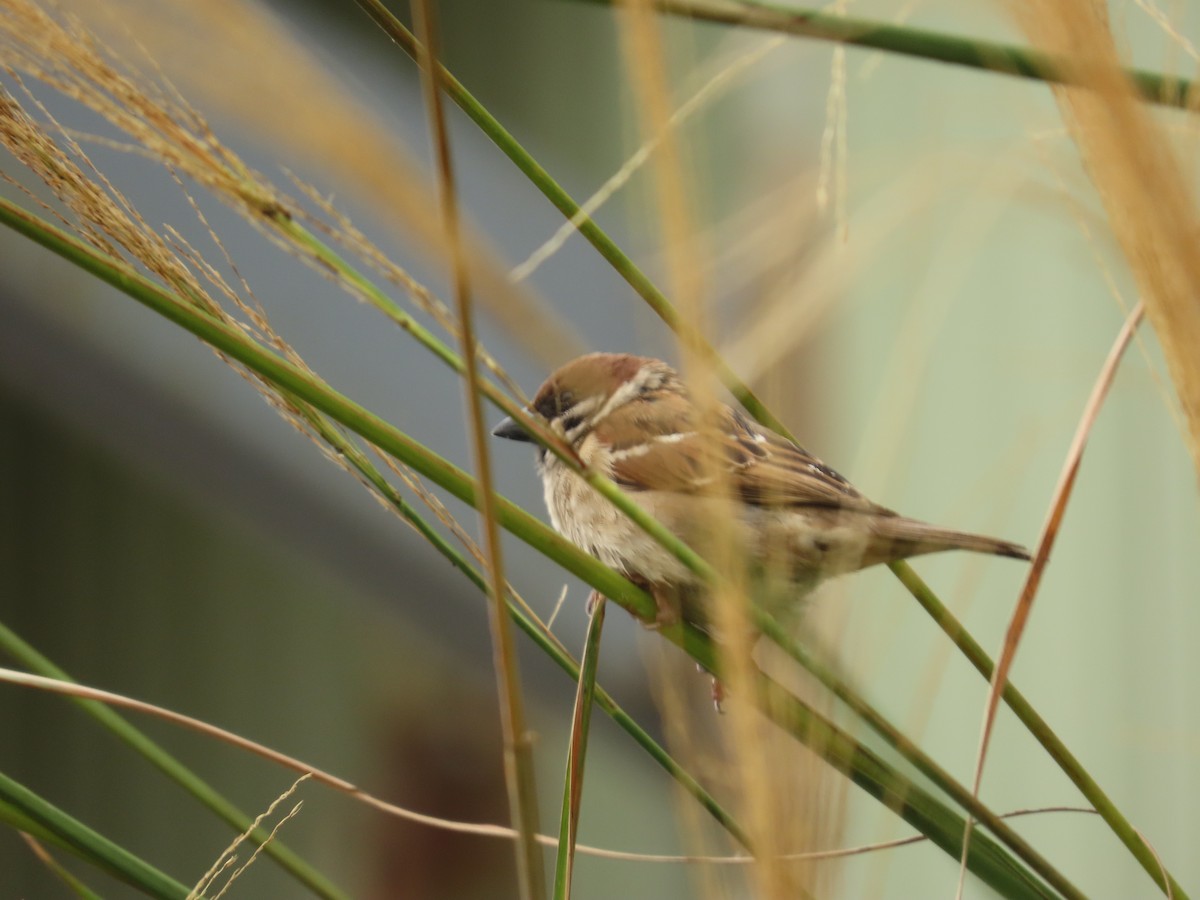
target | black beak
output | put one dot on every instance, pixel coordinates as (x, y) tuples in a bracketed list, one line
[(512, 430)]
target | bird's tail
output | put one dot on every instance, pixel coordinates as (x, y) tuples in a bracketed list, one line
[(911, 537)]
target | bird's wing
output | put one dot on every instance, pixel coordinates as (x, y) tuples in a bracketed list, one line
[(667, 452)]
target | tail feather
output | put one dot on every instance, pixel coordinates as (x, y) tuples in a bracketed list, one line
[(911, 537)]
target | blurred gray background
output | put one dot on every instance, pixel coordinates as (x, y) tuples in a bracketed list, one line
[(933, 333)]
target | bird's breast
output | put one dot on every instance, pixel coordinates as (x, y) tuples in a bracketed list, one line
[(585, 518)]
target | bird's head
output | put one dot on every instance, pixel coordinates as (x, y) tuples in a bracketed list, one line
[(588, 389)]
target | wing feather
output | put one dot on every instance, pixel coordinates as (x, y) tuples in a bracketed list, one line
[(655, 445)]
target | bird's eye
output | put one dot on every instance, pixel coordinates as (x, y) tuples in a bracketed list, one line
[(550, 403)]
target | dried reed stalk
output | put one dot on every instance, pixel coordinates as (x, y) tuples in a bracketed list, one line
[(1129, 156)]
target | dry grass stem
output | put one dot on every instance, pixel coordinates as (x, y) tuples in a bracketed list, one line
[(1162, 868), (1149, 199), (1089, 222), (338, 227), (73, 689), (518, 742), (562, 598), (725, 77), (761, 802), (1058, 507), (833, 178), (279, 91), (228, 857), (1163, 21), (799, 289), (57, 869), (460, 534), (258, 850)]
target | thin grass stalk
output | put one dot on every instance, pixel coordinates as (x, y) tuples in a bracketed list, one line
[(1146, 188), (915, 755), (1041, 731), (291, 378), (729, 595), (581, 720), (564, 203), (239, 821), (73, 884), (935, 46), (88, 844), (518, 742), (1041, 557), (318, 775), (866, 769)]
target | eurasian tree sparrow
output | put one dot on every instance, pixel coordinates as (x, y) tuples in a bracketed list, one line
[(631, 418)]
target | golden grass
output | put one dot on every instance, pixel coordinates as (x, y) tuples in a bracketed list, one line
[(762, 767), (223, 863), (1129, 155), (279, 91)]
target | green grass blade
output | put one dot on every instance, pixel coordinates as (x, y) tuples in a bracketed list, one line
[(1043, 733), (239, 821), (935, 46), (89, 844), (924, 764), (59, 871), (568, 829), (912, 803)]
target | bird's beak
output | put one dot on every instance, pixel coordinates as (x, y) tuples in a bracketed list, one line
[(512, 430)]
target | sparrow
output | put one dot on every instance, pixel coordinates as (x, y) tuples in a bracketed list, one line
[(632, 418)]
